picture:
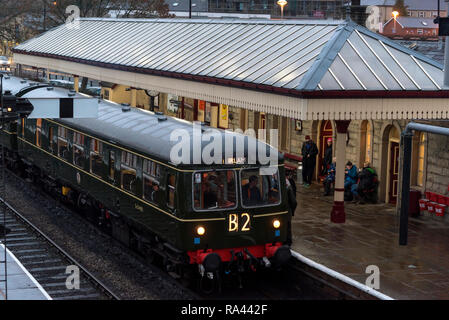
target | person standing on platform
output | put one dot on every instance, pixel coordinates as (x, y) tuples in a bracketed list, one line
[(292, 203), (309, 152), (327, 159)]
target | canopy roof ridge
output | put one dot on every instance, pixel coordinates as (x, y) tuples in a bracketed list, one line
[(326, 57)]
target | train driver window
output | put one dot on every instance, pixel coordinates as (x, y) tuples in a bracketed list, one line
[(260, 189), (62, 142), (38, 132), (214, 190), (171, 190), (78, 149), (96, 160), (128, 171)]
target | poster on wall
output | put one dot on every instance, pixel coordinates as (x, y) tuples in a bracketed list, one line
[(207, 114), (201, 110), (223, 121), (172, 104)]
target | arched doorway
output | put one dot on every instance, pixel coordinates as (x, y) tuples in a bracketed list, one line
[(390, 164), (326, 132)]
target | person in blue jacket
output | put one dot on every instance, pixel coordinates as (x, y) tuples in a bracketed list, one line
[(330, 178), (351, 175)]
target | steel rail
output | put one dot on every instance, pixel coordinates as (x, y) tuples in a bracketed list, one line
[(94, 281)]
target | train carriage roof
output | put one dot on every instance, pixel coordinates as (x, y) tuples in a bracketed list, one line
[(142, 131)]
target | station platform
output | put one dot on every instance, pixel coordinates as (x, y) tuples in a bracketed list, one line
[(370, 236), (21, 284)]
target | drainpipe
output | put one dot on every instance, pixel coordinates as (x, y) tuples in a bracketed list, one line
[(446, 55), (406, 142)]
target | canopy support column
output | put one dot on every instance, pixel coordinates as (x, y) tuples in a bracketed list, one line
[(338, 214), (133, 97), (76, 83)]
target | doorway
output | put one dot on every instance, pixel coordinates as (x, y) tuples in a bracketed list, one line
[(394, 172), (326, 132)]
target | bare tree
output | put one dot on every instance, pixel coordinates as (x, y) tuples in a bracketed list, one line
[(12, 15), (102, 8)]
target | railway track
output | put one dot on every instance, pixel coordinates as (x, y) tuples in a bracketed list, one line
[(48, 262)]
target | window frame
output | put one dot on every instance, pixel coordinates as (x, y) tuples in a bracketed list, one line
[(260, 206), (64, 139), (121, 177), (98, 153), (216, 209), (169, 188), (78, 146), (38, 134)]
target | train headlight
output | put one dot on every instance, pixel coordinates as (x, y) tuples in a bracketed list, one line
[(276, 224), (200, 231)]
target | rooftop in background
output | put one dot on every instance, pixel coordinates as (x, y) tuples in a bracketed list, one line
[(412, 4), (183, 5), (281, 56), (432, 49), (412, 22), (377, 2)]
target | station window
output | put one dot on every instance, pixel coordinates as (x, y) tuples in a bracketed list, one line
[(38, 132), (78, 149), (171, 190), (151, 174), (96, 160), (62, 143), (128, 171)]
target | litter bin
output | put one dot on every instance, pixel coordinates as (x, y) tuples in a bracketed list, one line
[(415, 195)]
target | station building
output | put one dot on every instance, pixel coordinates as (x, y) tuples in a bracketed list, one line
[(319, 78)]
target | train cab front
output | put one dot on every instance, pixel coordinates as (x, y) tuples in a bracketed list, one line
[(247, 221)]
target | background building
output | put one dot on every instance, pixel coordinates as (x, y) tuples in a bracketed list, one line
[(411, 28)]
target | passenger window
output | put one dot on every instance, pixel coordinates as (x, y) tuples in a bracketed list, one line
[(38, 132), (171, 190), (62, 143), (111, 165), (51, 143), (128, 171), (96, 160), (151, 174), (78, 149)]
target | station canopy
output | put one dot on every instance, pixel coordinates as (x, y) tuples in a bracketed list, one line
[(300, 60)]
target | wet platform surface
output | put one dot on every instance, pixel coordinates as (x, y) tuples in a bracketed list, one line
[(21, 284), (370, 236)]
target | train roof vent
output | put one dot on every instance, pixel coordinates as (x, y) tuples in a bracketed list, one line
[(161, 118), (126, 107), (159, 113), (72, 93), (23, 81), (50, 88)]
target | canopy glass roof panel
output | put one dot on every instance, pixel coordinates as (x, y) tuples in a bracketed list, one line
[(294, 55)]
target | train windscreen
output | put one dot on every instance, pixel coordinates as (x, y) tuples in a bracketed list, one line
[(260, 190), (214, 190)]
